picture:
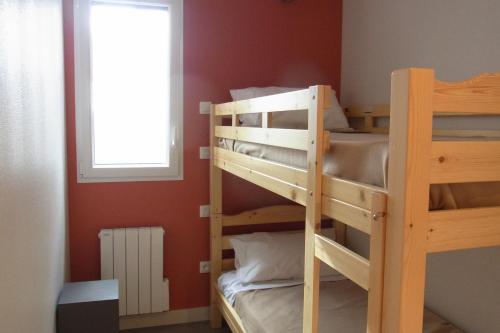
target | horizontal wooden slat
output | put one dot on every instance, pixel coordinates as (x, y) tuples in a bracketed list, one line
[(351, 192), (352, 265), (354, 193), (353, 216), (465, 161), (467, 133), (266, 215), (372, 111), (290, 101), (287, 190), (286, 173), (226, 244), (227, 264), (232, 318), (279, 137), (463, 228), (384, 111), (477, 95)]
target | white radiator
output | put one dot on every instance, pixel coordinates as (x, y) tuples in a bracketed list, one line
[(134, 256)]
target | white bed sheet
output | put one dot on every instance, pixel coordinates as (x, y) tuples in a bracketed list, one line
[(230, 285)]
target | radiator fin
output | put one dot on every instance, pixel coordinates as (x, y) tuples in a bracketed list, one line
[(134, 256)]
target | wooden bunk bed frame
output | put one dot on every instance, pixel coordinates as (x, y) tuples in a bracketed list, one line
[(402, 230)]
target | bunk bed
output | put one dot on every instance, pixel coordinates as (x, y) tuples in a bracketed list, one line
[(397, 218)]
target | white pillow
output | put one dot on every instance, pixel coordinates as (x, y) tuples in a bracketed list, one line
[(265, 256), (334, 116)]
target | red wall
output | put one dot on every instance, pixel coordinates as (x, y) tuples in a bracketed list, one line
[(227, 44)]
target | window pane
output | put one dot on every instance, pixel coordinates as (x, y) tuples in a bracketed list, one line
[(130, 58)]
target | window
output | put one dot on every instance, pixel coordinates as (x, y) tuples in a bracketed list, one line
[(128, 80)]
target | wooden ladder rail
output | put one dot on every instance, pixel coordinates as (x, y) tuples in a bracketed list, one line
[(368, 274), (319, 248), (315, 143)]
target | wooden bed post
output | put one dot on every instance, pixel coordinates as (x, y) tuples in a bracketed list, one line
[(215, 224), (313, 207), (408, 202)]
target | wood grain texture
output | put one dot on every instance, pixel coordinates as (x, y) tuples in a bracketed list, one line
[(353, 216), (369, 115), (351, 192), (465, 161), (377, 260), (408, 202), (279, 137), (350, 264), (480, 94), (313, 206), (215, 223), (290, 101), (458, 229), (287, 190), (226, 240), (280, 171), (266, 215)]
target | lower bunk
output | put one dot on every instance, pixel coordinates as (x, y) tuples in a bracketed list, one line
[(261, 309), (261, 289)]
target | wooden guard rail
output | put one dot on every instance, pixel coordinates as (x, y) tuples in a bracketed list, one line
[(358, 205), (370, 116)]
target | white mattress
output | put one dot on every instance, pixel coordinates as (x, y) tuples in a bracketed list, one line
[(276, 307)]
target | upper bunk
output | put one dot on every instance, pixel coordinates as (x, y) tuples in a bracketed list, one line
[(417, 161), (463, 158)]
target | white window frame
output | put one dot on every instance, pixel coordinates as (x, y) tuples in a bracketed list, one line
[(86, 170)]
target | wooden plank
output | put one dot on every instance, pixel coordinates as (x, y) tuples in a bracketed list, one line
[(287, 190), (232, 318), (132, 266), (235, 121), (284, 172), (383, 110), (351, 192), (480, 94), (465, 161), (226, 243), (315, 150), (279, 137), (408, 202), (157, 288), (266, 215), (144, 270), (119, 268), (340, 233), (353, 216), (106, 240), (290, 101), (377, 253), (215, 223), (267, 120), (464, 133), (352, 265), (458, 229), (368, 111), (227, 264)]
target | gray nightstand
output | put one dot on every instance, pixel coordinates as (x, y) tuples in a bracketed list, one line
[(85, 307)]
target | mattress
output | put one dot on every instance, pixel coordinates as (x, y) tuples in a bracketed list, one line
[(343, 308), (363, 157)]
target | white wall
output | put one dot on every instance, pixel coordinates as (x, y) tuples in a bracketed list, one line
[(458, 38), (32, 165)]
